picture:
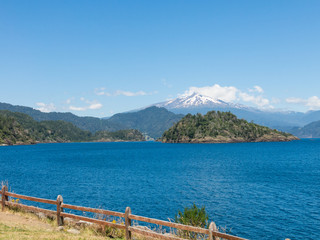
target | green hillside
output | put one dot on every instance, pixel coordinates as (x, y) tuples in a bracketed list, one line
[(11, 132), (121, 135), (19, 128), (153, 120), (220, 127)]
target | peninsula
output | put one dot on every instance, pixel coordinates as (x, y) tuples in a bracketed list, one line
[(221, 127)]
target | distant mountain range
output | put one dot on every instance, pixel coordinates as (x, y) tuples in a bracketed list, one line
[(153, 120), (281, 120)]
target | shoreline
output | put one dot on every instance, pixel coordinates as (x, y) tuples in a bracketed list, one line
[(28, 144)]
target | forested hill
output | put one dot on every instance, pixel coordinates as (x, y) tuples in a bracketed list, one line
[(220, 127), (11, 132), (153, 120), (19, 128)]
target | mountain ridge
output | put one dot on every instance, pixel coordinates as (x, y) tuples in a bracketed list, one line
[(194, 103), (281, 120), (311, 130), (151, 121), (20, 128)]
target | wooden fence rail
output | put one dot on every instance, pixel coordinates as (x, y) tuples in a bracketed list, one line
[(212, 232)]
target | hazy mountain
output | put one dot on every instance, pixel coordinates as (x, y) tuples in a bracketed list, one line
[(282, 120), (152, 121), (311, 130)]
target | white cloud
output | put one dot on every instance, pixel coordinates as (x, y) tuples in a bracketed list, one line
[(93, 105), (216, 91), (257, 89), (101, 92), (296, 100), (313, 103), (257, 100), (45, 107), (232, 94), (129, 94), (77, 108)]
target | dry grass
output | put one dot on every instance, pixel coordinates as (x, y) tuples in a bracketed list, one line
[(19, 225)]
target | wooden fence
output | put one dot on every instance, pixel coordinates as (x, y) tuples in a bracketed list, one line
[(212, 232)]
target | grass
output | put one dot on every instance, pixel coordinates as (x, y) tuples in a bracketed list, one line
[(15, 224), (23, 232)]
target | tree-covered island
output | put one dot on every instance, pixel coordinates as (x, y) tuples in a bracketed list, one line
[(220, 127)]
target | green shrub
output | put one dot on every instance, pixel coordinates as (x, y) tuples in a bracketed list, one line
[(192, 216)]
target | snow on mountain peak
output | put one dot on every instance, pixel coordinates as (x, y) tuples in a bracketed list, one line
[(197, 99), (192, 101)]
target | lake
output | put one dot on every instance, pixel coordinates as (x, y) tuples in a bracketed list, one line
[(255, 190)]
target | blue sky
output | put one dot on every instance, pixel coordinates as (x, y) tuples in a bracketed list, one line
[(97, 58)]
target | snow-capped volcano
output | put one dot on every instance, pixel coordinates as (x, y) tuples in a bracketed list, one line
[(197, 100)]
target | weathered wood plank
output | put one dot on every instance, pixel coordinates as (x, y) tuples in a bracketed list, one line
[(34, 199), (153, 234), (31, 208), (94, 210), (211, 229), (169, 224), (59, 210), (128, 223), (4, 198), (101, 222)]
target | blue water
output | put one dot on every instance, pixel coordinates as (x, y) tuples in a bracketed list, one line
[(258, 190)]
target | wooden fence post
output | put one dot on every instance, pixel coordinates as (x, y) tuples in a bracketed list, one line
[(59, 210), (210, 231), (213, 228), (127, 222), (4, 198)]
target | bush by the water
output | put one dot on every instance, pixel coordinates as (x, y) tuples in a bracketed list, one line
[(192, 216)]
